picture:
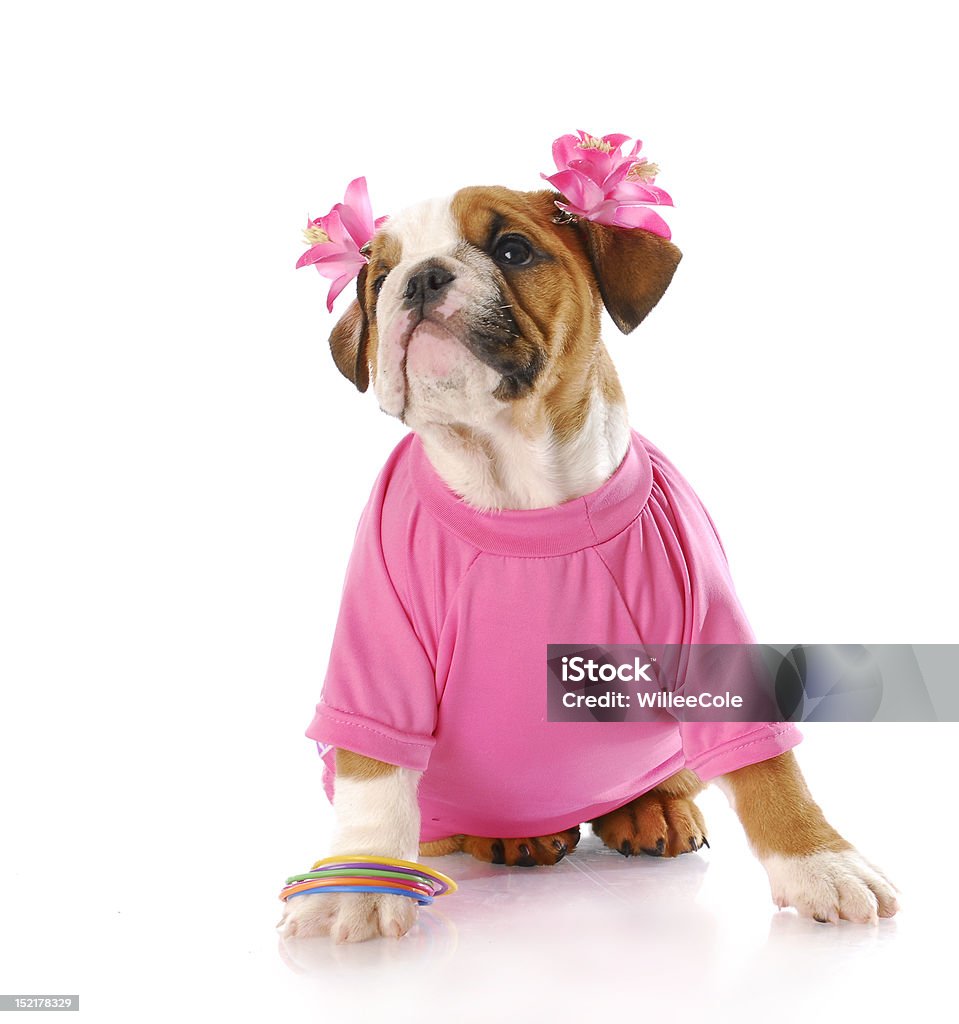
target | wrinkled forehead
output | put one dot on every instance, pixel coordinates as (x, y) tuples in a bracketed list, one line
[(475, 215)]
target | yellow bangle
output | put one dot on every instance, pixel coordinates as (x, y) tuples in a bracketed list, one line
[(391, 862)]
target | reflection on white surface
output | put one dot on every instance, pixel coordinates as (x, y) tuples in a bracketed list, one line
[(524, 905), (695, 936), (159, 904)]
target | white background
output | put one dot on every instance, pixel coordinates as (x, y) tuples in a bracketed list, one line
[(182, 469)]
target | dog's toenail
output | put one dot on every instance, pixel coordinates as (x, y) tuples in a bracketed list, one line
[(497, 852), (705, 842), (821, 920), (625, 849), (692, 843), (526, 858), (658, 851)]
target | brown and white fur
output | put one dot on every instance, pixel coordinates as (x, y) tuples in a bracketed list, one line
[(477, 319)]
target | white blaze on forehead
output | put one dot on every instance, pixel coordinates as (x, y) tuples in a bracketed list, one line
[(427, 229)]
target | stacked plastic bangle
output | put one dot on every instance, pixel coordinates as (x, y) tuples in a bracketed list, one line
[(370, 874)]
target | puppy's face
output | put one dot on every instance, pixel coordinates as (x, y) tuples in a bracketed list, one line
[(479, 305)]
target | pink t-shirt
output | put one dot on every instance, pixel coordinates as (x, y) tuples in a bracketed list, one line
[(439, 655)]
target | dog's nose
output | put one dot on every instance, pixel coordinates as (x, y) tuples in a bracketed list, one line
[(426, 285)]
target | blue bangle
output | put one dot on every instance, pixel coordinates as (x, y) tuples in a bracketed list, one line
[(422, 900)]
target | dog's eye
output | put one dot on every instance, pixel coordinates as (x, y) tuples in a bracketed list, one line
[(513, 251), (378, 283)]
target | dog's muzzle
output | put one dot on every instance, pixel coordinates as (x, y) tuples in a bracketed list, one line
[(427, 286)]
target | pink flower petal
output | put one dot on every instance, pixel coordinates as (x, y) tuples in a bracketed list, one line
[(594, 163), (567, 182), (604, 213), (356, 213), (335, 288), (638, 192), (592, 193), (641, 217), (615, 176), (577, 188), (616, 140), (316, 252), (333, 266), (356, 230), (564, 150), (333, 226), (358, 198), (663, 198)]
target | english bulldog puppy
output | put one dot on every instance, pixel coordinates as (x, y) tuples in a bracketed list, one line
[(520, 510)]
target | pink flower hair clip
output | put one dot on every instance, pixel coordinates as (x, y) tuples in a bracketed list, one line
[(598, 182), (339, 239), (603, 184)]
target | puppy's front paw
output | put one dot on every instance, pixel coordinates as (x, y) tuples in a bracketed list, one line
[(347, 916), (831, 885)]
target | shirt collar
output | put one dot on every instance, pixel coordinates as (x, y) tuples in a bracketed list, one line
[(542, 532)]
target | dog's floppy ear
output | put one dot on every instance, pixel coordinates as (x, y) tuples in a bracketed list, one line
[(633, 268), (350, 339)]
